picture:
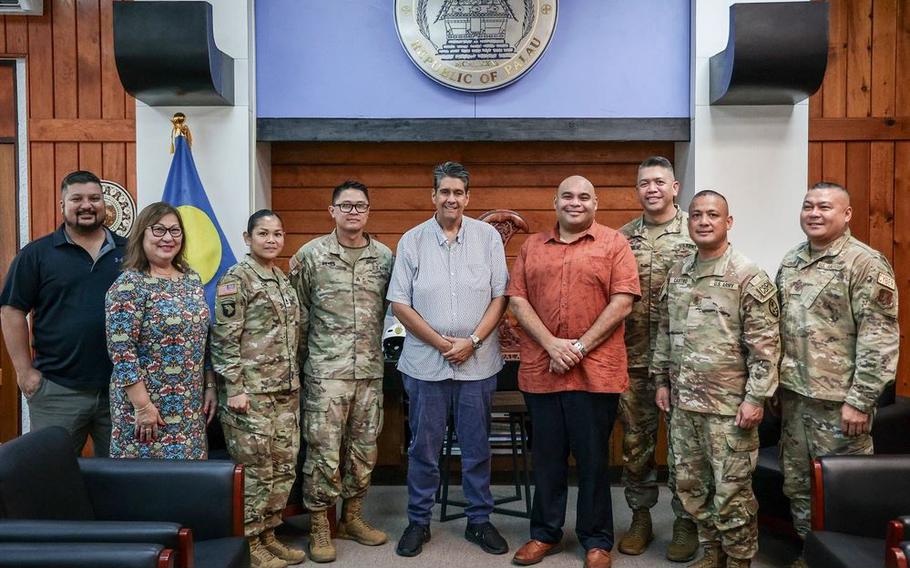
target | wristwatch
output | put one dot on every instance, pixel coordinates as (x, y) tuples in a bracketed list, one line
[(581, 347), (476, 341)]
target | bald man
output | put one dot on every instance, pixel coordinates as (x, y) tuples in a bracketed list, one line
[(571, 288), (839, 333)]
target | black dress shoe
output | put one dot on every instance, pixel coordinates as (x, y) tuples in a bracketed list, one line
[(486, 535), (411, 542)]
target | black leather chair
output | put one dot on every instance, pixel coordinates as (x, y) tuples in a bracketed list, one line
[(854, 500), (194, 507), (85, 555), (889, 435)]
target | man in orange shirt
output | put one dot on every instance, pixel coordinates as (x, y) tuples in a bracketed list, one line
[(571, 288)]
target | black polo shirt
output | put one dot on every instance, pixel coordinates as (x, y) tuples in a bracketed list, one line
[(64, 289)]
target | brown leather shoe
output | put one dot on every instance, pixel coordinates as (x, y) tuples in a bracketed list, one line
[(534, 551), (598, 558)]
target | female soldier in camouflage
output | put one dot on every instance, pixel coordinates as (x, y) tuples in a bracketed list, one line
[(254, 352)]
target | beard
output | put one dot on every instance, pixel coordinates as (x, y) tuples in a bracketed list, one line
[(83, 227)]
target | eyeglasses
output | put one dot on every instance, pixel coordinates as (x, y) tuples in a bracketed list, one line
[(360, 206), (160, 230)]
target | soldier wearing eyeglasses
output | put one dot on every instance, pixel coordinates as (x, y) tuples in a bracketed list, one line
[(341, 280), (61, 279)]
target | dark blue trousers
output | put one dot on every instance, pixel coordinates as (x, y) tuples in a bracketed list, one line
[(580, 423), (428, 411)]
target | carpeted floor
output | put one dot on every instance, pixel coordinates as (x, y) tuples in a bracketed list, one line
[(385, 507)]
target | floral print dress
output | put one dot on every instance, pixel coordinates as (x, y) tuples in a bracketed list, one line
[(157, 331)]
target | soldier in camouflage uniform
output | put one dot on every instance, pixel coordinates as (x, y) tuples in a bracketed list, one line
[(341, 278), (254, 352), (716, 362), (840, 338), (658, 238)]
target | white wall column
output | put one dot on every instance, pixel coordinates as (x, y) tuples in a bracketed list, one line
[(224, 138), (757, 156)]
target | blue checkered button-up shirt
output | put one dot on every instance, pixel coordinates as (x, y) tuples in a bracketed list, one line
[(450, 285)]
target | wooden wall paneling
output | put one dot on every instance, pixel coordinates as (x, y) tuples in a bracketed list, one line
[(66, 97), (7, 101), (88, 58), (130, 184), (114, 162), (112, 93), (859, 58), (834, 162), (66, 160), (835, 101), (902, 254), (902, 60), (2, 34), (884, 47), (881, 198), (40, 66), (43, 199), (90, 157), (16, 35), (9, 245), (857, 183), (815, 163)]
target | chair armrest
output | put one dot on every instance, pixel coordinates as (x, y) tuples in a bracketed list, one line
[(898, 531), (84, 555), (168, 535), (890, 427), (859, 495), (898, 556), (205, 496)]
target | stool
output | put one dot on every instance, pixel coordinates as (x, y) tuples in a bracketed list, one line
[(510, 403)]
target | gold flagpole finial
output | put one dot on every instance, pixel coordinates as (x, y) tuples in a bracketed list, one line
[(180, 129)]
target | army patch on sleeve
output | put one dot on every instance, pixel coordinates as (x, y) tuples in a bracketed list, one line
[(226, 290), (885, 297), (886, 281), (774, 308), (761, 287), (227, 308)]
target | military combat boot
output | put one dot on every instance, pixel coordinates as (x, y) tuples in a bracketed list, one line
[(354, 527), (640, 533), (262, 558), (321, 547), (279, 549), (738, 562), (714, 557), (684, 544)]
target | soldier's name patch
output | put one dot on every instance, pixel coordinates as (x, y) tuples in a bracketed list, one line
[(226, 290), (886, 281), (725, 284), (679, 280)]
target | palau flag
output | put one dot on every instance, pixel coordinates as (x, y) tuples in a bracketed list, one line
[(207, 251)]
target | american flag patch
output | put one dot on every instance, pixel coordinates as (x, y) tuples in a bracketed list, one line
[(226, 290)]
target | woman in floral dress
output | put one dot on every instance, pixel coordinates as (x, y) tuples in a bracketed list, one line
[(157, 332)]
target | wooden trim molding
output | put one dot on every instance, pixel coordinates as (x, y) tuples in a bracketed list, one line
[(237, 500), (166, 558), (81, 130), (818, 497), (859, 129)]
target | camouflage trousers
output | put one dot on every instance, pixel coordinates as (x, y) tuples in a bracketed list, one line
[(811, 428), (342, 420), (640, 418), (265, 440), (716, 459)]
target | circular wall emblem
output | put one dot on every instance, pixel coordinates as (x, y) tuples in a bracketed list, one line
[(475, 45), (120, 207)]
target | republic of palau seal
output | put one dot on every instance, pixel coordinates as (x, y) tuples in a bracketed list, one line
[(120, 208), (475, 45)]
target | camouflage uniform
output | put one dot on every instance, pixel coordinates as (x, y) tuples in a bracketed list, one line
[(718, 345), (342, 402), (840, 337), (254, 345), (637, 411)]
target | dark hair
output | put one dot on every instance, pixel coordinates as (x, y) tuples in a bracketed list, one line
[(349, 184), (708, 193), (658, 162), (79, 176), (452, 170), (135, 258), (255, 217), (830, 185)]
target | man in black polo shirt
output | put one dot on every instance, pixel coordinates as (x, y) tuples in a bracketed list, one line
[(62, 279)]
